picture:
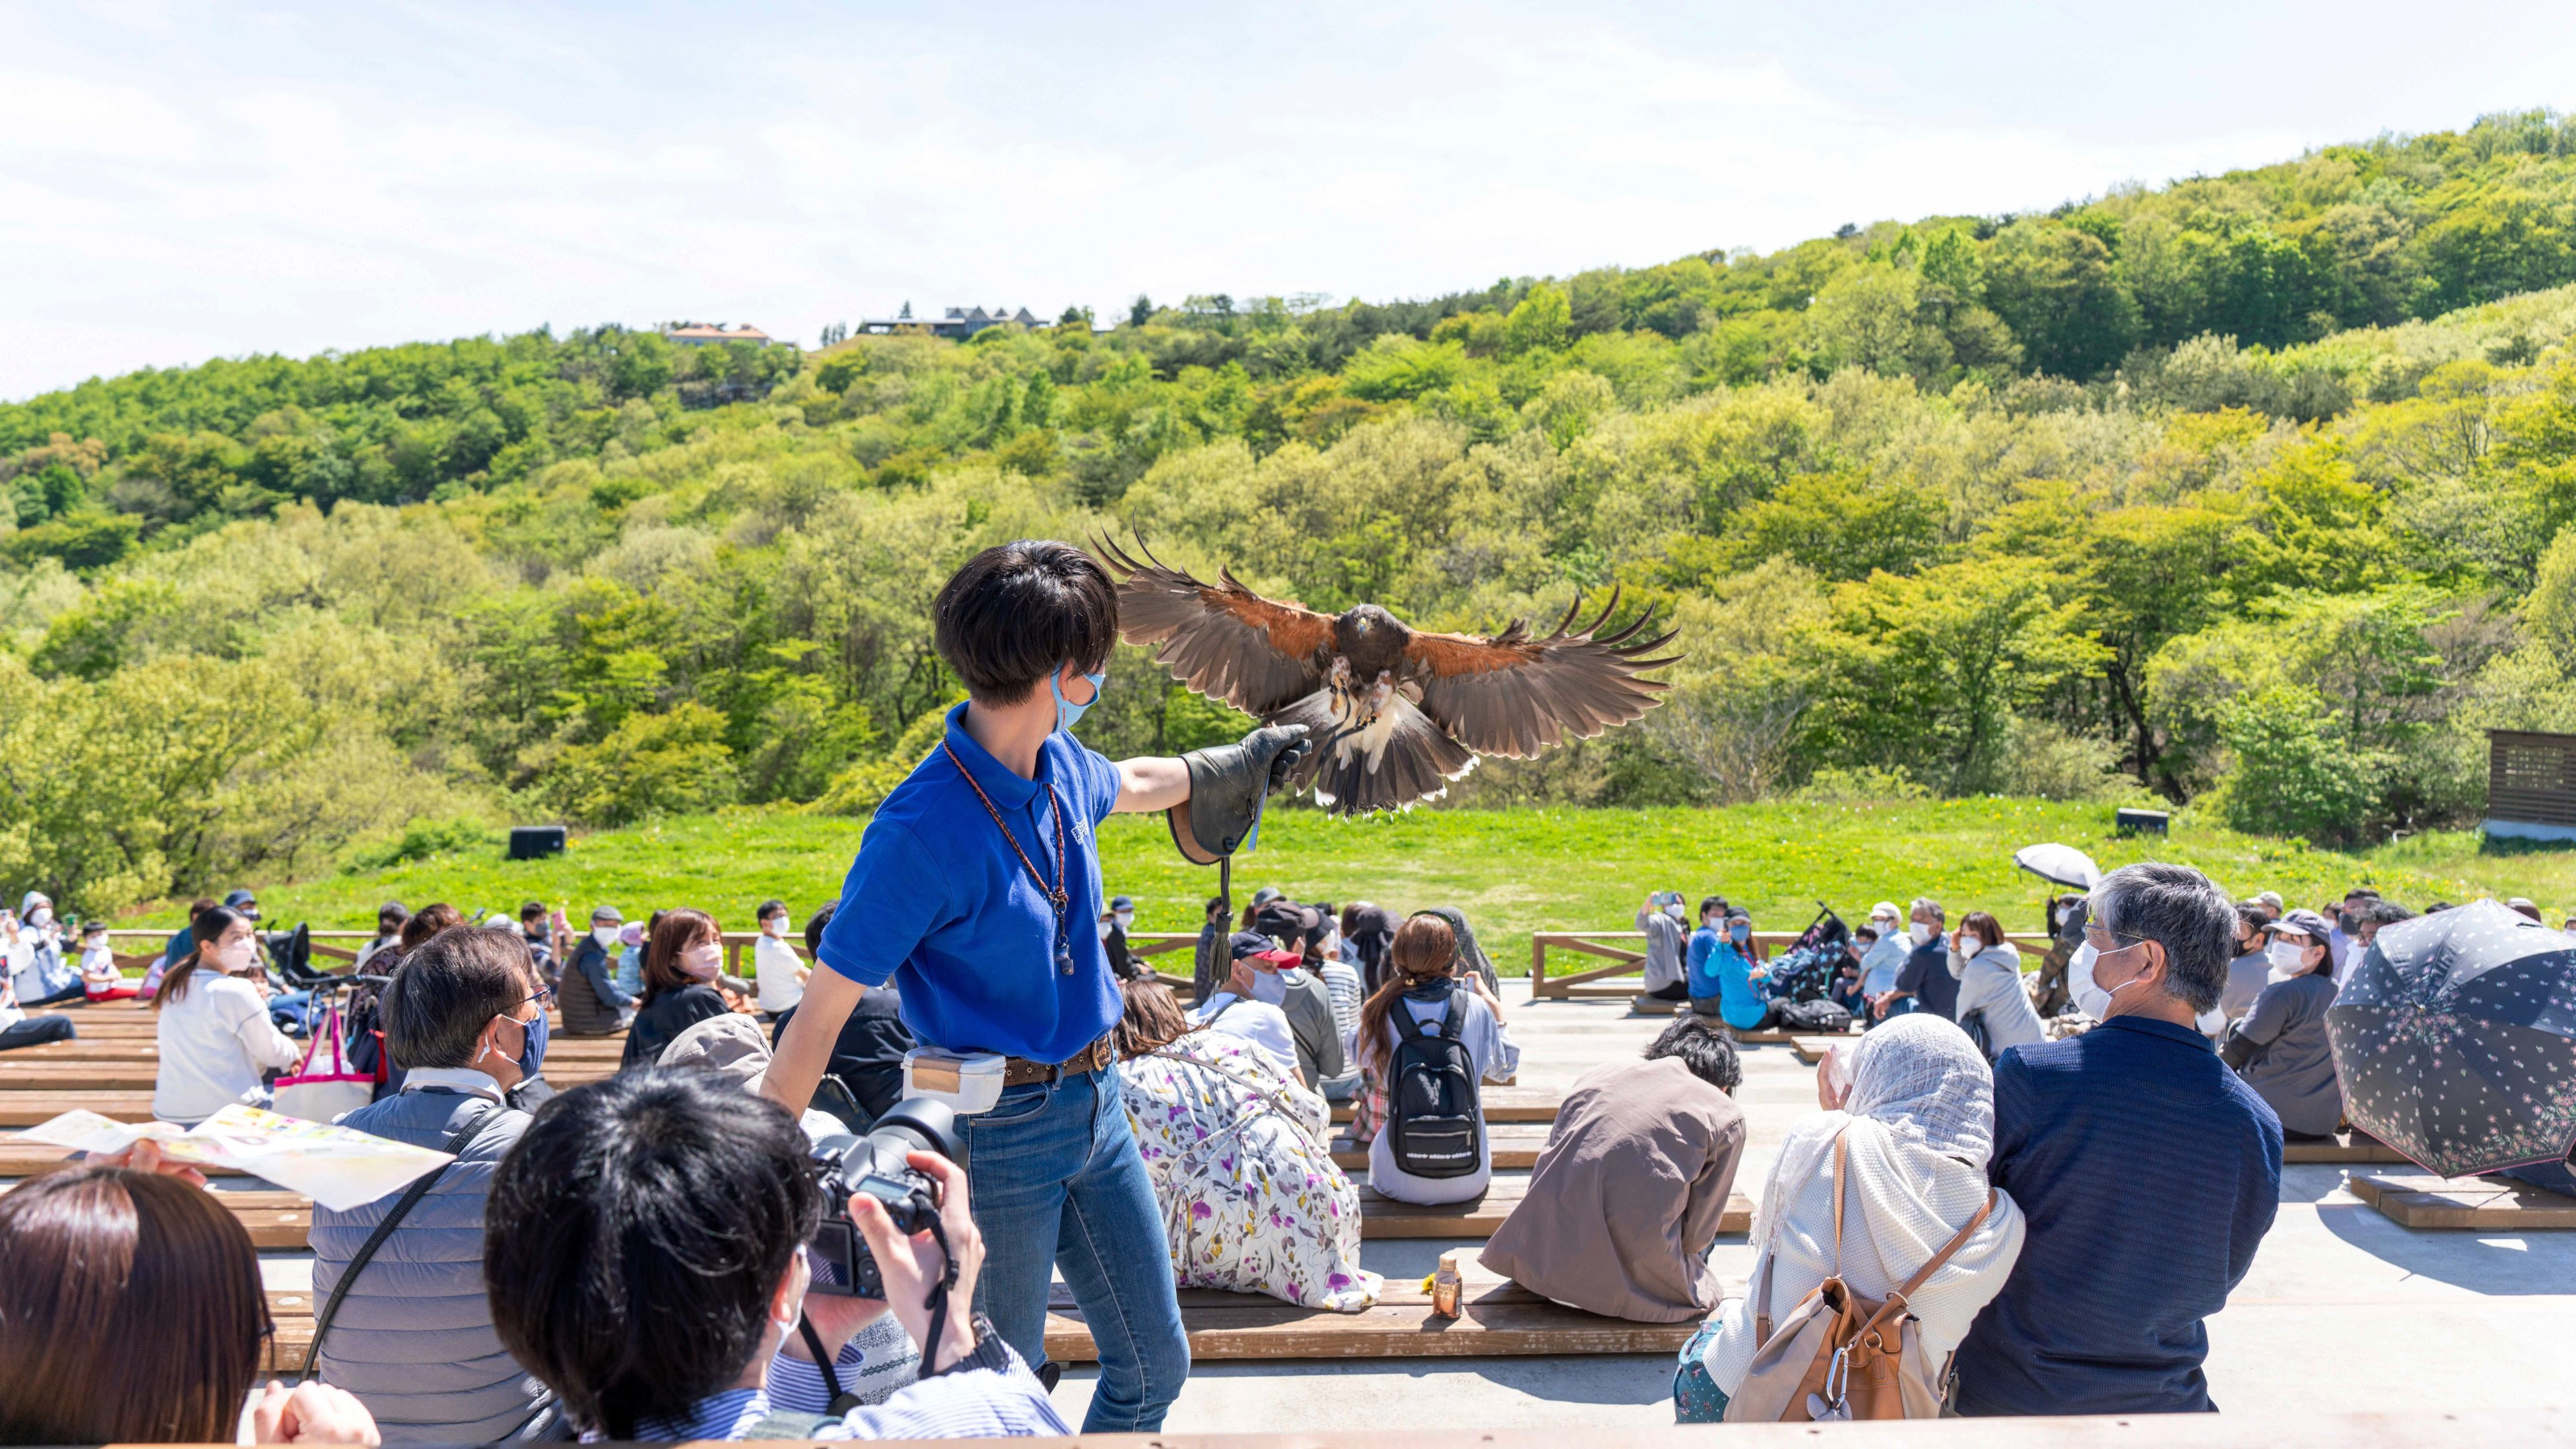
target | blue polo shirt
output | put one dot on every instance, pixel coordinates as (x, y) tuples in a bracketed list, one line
[(2147, 1173), (939, 902)]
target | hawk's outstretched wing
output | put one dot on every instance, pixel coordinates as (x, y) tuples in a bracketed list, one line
[(1514, 695), (1222, 639)]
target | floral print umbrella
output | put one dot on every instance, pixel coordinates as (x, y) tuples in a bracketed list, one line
[(2455, 1039)]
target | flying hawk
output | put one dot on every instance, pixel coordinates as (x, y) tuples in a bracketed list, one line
[(1395, 713)]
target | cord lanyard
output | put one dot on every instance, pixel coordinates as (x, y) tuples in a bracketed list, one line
[(1054, 893)]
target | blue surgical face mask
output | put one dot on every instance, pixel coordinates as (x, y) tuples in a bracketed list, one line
[(532, 1056), (1067, 713), (1740, 931)]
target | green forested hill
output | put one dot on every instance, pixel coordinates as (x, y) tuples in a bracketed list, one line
[(2246, 491)]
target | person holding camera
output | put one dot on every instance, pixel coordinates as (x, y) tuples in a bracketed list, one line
[(646, 1252), (975, 888)]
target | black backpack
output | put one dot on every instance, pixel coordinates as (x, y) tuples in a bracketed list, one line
[(1431, 1112)]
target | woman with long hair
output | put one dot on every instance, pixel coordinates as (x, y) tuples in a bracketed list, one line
[(213, 1029), (682, 959), (1241, 1159), (1425, 981), (131, 1312)]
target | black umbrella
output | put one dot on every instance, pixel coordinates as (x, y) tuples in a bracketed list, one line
[(2456, 1040)]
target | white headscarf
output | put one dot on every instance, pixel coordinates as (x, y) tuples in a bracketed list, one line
[(1917, 1130)]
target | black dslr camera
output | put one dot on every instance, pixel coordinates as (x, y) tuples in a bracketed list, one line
[(874, 1165)]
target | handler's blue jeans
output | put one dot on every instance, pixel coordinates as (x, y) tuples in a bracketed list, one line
[(1057, 1183)]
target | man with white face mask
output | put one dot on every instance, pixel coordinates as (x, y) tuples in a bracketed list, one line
[(1924, 983), (592, 1003), (2147, 1171)]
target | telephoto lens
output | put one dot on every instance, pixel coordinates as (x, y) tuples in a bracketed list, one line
[(875, 1165)]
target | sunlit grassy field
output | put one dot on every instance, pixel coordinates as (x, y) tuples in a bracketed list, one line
[(1512, 872)]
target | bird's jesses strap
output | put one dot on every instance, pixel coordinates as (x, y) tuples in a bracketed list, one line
[(1054, 893)]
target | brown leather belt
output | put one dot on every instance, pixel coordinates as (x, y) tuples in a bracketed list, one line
[(1020, 1071)]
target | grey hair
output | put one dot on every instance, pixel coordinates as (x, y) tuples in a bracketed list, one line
[(2181, 910), (1930, 907)]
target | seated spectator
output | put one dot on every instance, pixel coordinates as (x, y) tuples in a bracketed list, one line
[(1723, 969), (1208, 961), (2272, 905), (2050, 993), (1426, 982), (2345, 937), (1660, 919), (44, 978), (433, 918), (2250, 970), (1298, 991), (2381, 915), (643, 1257), (1325, 961), (1924, 983), (101, 978), (389, 923), (1471, 954), (630, 954), (213, 1029), (181, 942), (2519, 905), (1846, 990), (18, 1029), (1992, 1004), (131, 1312), (2105, 1314), (868, 1057), (1626, 1199), (1115, 919), (1880, 964), (1237, 1009), (1368, 933), (1905, 1148), (2280, 1046), (775, 964), (587, 993), (681, 963), (536, 927), (1242, 1162), (465, 1019)]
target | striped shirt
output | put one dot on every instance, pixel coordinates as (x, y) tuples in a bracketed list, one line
[(969, 1404)]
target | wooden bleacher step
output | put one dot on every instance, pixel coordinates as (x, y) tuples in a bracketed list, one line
[(1502, 1104), (2463, 1202), (1516, 1147)]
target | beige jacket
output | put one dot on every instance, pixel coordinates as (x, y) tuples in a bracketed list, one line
[(1627, 1196)]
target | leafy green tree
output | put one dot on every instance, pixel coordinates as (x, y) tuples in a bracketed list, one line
[(674, 763), (1542, 321), (2056, 288)]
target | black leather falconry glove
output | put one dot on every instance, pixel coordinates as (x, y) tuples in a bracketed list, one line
[(1228, 784)]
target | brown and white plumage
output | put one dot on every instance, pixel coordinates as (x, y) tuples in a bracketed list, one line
[(1396, 713)]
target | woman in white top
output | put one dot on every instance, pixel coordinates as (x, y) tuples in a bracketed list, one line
[(1917, 1123), (1988, 970), (1423, 980), (213, 1028)]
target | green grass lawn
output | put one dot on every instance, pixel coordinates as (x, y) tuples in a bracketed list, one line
[(1511, 871)]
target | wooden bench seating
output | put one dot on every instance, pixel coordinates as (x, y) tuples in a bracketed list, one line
[(1502, 1104), (276, 1219), (2464, 1202), (2341, 1149), (1384, 1217), (1500, 1319), (1516, 1148)]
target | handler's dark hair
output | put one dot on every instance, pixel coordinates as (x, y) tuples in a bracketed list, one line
[(130, 1311), (634, 1238), (1700, 1042), (1018, 612), (447, 989)]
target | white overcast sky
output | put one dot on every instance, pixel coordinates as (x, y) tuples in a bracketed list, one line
[(197, 179)]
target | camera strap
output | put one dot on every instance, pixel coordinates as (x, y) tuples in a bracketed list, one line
[(938, 1300), (843, 1401)]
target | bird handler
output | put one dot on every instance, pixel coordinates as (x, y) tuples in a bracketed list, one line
[(975, 890)]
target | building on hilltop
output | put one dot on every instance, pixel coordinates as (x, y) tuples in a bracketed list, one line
[(700, 334), (960, 323)]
